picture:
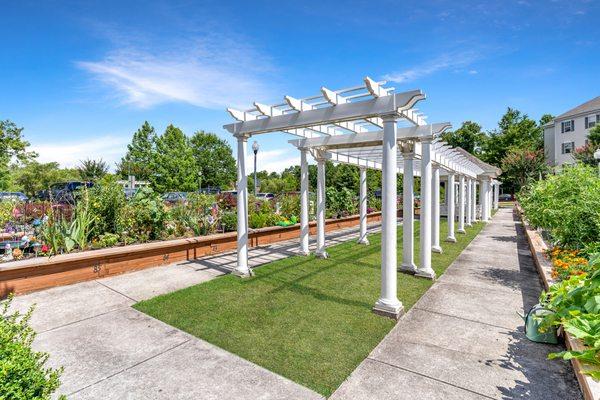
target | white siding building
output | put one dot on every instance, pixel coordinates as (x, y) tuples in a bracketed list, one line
[(569, 131)]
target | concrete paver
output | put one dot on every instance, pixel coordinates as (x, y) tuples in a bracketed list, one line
[(463, 338), (111, 351)]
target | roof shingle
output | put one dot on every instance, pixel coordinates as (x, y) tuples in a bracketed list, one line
[(592, 105)]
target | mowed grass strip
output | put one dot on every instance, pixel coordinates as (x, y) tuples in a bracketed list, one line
[(304, 318)]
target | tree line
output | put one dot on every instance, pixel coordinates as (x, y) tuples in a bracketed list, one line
[(172, 161)]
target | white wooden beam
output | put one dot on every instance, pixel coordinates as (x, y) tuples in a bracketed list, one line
[(322, 116)]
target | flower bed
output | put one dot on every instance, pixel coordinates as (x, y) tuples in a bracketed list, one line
[(565, 210), (542, 258), (43, 272)]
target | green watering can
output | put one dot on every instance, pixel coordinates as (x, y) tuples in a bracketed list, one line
[(532, 326)]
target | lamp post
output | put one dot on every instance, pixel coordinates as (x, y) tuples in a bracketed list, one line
[(255, 150), (199, 181), (597, 157)]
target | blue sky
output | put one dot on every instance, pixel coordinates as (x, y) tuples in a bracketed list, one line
[(81, 78)]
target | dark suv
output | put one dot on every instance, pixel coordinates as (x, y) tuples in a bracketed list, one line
[(65, 192)]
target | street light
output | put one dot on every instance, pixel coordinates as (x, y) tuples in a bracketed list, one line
[(597, 157), (255, 150), (199, 181)]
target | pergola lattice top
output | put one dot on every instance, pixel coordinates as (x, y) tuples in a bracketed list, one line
[(345, 125)]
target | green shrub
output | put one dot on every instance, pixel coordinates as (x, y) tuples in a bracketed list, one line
[(106, 206), (229, 221), (257, 220), (23, 375), (341, 203), (289, 205), (145, 216), (6, 212), (567, 205)]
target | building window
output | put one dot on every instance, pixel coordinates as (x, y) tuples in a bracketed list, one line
[(592, 121), (568, 147), (567, 126)]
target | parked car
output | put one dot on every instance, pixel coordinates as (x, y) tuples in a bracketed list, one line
[(13, 196), (66, 192), (210, 190), (265, 196), (175, 197), (505, 197)]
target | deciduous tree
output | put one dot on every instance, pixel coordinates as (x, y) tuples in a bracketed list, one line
[(173, 163), (214, 159)]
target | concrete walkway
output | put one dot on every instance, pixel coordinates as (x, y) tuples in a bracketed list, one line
[(463, 338), (111, 351)]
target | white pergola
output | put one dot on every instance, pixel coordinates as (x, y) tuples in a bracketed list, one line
[(360, 126)]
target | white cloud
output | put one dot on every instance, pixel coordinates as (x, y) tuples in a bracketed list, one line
[(444, 62), (275, 160), (212, 72), (70, 153)]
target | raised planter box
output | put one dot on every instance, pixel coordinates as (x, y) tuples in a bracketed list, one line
[(43, 272), (589, 387)]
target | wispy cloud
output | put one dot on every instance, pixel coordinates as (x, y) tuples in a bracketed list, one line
[(69, 153), (275, 160), (210, 72), (441, 63)]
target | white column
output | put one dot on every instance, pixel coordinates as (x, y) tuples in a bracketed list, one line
[(388, 303), (469, 198), (483, 197), (451, 207), (408, 213), (362, 239), (424, 270), (241, 268), (321, 252), (435, 227), (304, 227), (474, 200), (496, 195), (461, 204), (490, 199)]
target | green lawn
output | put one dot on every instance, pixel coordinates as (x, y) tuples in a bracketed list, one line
[(307, 319)]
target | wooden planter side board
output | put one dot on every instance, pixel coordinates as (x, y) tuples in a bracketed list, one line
[(589, 387), (25, 276)]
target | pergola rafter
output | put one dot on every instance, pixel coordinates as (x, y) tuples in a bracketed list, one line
[(358, 126)]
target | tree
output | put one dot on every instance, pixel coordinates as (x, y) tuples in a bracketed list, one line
[(469, 137), (12, 145), (173, 163), (585, 153), (522, 166), (92, 170), (214, 159), (515, 131), (33, 176), (139, 155)]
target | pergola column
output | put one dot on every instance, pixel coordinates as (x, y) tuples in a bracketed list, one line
[(461, 204), (241, 268), (424, 270), (408, 211), (474, 200), (483, 198), (321, 252), (388, 303), (304, 227), (469, 203), (451, 207), (435, 227), (496, 195), (362, 239)]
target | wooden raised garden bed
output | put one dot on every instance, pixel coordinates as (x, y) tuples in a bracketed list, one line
[(589, 387), (43, 272)]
